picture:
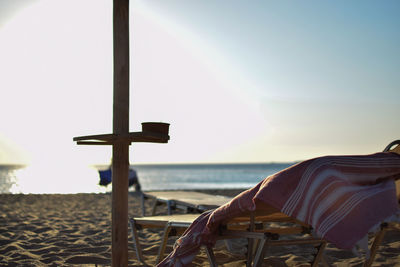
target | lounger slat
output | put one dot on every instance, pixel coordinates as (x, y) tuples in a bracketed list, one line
[(185, 200)]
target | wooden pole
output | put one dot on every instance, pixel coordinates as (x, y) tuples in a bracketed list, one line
[(121, 138), (120, 160)]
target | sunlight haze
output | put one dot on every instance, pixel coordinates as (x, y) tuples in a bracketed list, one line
[(238, 81)]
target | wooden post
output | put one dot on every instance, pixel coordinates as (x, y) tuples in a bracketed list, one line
[(120, 161), (121, 138)]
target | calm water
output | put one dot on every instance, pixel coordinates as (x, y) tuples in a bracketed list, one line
[(70, 179)]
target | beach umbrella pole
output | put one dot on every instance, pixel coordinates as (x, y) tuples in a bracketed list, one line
[(121, 138), (120, 149)]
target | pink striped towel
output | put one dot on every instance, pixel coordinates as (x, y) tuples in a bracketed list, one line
[(341, 197)]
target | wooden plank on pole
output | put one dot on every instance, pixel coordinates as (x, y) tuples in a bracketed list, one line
[(131, 137), (120, 161)]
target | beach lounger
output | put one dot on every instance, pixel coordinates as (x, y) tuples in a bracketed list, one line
[(188, 201), (330, 196), (385, 226), (248, 226), (266, 240), (174, 225)]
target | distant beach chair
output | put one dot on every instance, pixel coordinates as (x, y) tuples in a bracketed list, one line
[(385, 226), (188, 201), (106, 178)]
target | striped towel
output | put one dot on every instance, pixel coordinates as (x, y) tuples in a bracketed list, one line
[(341, 197)]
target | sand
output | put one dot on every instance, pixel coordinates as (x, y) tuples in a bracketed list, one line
[(75, 230)]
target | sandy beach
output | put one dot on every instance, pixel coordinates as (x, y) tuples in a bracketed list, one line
[(75, 230)]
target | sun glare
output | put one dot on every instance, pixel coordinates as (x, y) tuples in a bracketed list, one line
[(59, 76), (57, 178)]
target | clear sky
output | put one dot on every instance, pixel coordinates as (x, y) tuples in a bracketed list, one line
[(239, 81)]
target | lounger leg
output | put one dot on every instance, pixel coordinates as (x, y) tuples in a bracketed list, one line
[(164, 241), (324, 262), (250, 241), (250, 255), (153, 210), (262, 248), (211, 257), (375, 245), (318, 256), (169, 209), (142, 204), (136, 243)]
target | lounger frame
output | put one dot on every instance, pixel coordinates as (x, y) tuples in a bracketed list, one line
[(260, 238), (249, 226)]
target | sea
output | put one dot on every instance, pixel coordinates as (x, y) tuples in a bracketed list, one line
[(65, 179)]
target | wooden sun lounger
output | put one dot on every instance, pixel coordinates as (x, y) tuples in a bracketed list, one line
[(255, 226), (189, 201), (270, 236), (252, 226)]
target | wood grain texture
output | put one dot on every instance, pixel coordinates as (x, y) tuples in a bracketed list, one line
[(120, 165)]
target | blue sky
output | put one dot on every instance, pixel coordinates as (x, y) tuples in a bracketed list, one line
[(239, 81)]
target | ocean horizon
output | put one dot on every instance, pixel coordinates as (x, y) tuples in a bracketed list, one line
[(66, 179)]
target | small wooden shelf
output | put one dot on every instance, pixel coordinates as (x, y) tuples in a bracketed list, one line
[(110, 139)]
